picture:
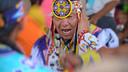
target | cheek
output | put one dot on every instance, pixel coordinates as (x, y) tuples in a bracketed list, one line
[(74, 22), (122, 19), (56, 24), (121, 16)]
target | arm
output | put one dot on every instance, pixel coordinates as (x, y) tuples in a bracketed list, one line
[(106, 9), (39, 50)]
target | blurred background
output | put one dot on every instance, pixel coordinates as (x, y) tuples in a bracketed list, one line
[(39, 18)]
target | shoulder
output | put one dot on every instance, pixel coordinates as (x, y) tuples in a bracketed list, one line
[(41, 42), (93, 29)]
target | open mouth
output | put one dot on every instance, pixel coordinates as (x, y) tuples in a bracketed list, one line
[(66, 31)]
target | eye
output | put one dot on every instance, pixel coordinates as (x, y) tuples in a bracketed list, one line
[(57, 18), (70, 16)]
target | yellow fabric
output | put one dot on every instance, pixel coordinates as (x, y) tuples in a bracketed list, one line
[(92, 27), (37, 15), (86, 56)]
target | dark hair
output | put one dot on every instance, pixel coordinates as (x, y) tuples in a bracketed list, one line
[(122, 7), (33, 2), (5, 34), (7, 29)]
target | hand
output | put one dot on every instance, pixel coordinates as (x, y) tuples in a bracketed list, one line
[(71, 61)]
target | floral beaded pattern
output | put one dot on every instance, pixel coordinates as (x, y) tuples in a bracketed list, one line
[(87, 41)]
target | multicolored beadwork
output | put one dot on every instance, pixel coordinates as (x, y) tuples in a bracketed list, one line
[(62, 8)]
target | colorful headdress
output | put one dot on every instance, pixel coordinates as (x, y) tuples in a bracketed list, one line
[(63, 8)]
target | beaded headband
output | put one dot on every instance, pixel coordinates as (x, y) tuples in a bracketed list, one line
[(63, 8)]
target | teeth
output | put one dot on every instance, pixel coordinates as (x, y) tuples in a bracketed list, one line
[(66, 30)]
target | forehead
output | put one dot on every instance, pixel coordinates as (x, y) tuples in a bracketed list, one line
[(74, 14)]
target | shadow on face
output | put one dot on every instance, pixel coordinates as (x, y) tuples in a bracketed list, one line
[(66, 27)]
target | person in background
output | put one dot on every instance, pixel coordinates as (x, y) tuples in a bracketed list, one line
[(34, 27), (121, 17), (12, 58), (98, 12)]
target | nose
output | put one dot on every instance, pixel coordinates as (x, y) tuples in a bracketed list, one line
[(65, 22)]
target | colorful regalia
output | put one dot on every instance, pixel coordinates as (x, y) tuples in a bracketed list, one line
[(50, 48)]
